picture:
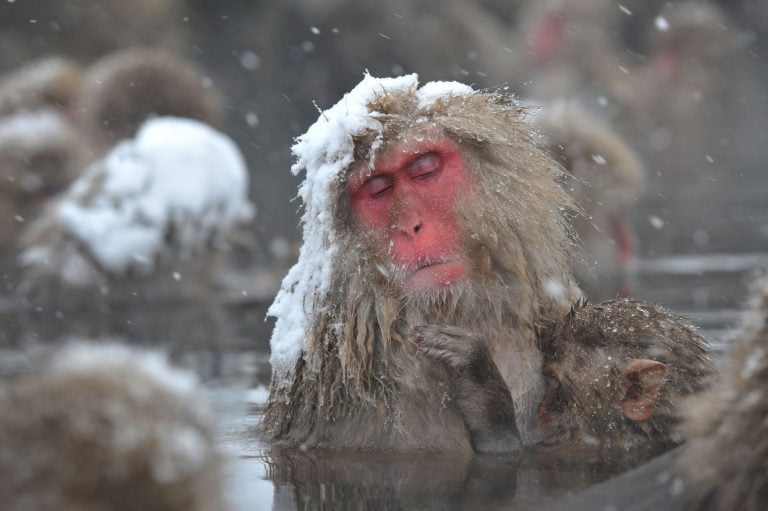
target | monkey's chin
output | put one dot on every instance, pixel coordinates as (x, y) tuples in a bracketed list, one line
[(435, 276)]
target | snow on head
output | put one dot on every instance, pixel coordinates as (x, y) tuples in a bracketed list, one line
[(177, 176), (323, 153)]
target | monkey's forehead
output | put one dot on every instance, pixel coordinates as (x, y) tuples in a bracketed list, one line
[(397, 145)]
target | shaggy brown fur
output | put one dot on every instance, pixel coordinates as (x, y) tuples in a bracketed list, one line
[(124, 89), (359, 383), (585, 358), (104, 428), (726, 457), (48, 83)]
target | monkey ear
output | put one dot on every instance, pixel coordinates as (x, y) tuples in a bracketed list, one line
[(643, 379)]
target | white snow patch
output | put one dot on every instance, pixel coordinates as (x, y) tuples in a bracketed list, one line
[(432, 91), (656, 222), (32, 131), (177, 176), (323, 153), (258, 396), (554, 288)]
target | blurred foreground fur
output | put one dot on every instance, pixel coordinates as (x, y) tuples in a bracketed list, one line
[(107, 428), (126, 88), (726, 457)]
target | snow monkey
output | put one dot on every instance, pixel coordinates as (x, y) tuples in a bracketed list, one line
[(726, 457), (436, 248), (614, 372)]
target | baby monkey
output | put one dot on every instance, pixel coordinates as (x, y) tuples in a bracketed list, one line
[(614, 372)]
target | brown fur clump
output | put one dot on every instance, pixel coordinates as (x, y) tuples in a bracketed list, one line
[(40, 154), (124, 89), (726, 457), (359, 383), (101, 427), (587, 359), (48, 83)]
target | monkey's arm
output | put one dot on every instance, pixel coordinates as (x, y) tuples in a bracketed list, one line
[(481, 394)]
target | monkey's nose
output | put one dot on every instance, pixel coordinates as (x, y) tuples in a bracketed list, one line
[(411, 229)]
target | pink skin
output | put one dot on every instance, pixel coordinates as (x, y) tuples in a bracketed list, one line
[(408, 199), (667, 64), (549, 36)]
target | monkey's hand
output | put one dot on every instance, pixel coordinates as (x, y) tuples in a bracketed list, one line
[(481, 394)]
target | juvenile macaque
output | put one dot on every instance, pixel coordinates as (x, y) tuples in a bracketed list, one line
[(696, 101), (606, 178), (52, 83), (435, 251), (103, 427), (124, 89), (726, 457), (614, 372)]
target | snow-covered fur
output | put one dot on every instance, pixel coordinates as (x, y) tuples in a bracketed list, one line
[(726, 458), (344, 372), (167, 199), (106, 427)]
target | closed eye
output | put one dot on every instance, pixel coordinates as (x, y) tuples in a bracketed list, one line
[(378, 186), (425, 166)]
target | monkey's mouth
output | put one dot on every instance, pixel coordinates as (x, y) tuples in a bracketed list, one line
[(435, 274)]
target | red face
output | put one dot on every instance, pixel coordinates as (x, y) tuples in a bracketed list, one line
[(408, 200), (548, 37)]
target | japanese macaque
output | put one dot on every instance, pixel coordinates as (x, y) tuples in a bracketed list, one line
[(436, 248), (726, 456), (570, 49), (696, 101), (40, 154), (442, 212), (105, 427), (133, 247), (52, 83), (614, 372), (123, 90), (606, 178), (151, 215)]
